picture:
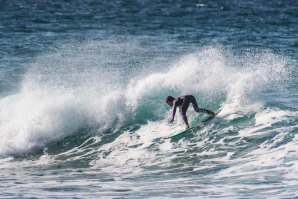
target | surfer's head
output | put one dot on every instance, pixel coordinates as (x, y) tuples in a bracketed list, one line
[(170, 100)]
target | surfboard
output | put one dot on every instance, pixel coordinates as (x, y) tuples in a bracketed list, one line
[(204, 120)]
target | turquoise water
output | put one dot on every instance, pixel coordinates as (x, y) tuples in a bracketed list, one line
[(83, 84)]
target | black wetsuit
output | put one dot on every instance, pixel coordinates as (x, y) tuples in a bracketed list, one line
[(183, 103)]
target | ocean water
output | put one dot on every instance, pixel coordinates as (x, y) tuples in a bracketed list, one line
[(82, 90)]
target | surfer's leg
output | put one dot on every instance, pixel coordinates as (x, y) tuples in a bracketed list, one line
[(205, 111), (184, 108), (197, 109), (194, 103), (183, 114)]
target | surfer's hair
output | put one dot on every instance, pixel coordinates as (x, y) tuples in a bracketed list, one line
[(170, 99)]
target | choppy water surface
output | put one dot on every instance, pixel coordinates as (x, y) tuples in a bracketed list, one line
[(83, 84)]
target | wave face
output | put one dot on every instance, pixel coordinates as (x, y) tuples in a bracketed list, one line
[(79, 111)]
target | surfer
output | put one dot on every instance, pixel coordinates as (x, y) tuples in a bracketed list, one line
[(183, 102)]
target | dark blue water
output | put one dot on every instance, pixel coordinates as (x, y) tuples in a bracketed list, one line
[(82, 87)]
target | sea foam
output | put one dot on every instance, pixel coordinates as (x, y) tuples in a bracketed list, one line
[(76, 87)]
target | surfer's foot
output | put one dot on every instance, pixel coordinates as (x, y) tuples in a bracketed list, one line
[(187, 127), (205, 111), (211, 113)]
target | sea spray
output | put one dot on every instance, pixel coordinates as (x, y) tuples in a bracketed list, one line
[(63, 91)]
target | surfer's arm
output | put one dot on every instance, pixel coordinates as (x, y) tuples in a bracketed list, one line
[(174, 112)]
